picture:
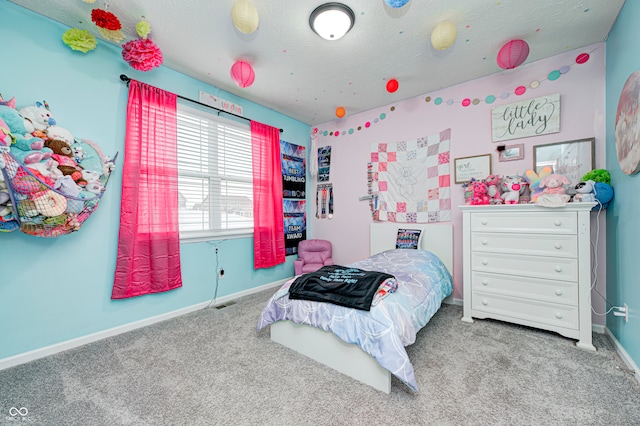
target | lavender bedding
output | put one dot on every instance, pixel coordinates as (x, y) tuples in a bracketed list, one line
[(390, 325)]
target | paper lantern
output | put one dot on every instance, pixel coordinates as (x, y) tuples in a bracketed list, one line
[(443, 35), (392, 85), (340, 112), (242, 73), (245, 16), (512, 54), (396, 3)]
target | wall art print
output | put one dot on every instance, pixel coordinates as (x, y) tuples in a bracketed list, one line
[(412, 180), (532, 117), (295, 225), (628, 126), (324, 163), (293, 159)]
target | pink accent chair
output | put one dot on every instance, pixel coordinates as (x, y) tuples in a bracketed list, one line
[(312, 255)]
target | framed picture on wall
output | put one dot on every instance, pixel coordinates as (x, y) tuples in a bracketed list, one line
[(512, 152), (572, 159), (478, 167)]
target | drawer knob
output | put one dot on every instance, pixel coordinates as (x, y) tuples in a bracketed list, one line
[(558, 315), (558, 246), (485, 262), (484, 222), (485, 302), (558, 268), (558, 223), (485, 282), (485, 242), (558, 292)]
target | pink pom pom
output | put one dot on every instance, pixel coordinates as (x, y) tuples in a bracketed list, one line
[(142, 54)]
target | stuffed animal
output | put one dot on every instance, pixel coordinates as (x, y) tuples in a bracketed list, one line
[(480, 194), (585, 192), (60, 133), (534, 179), (39, 115), (553, 193), (553, 184), (5, 134), (63, 154), (511, 187), (468, 191), (493, 189), (25, 147)]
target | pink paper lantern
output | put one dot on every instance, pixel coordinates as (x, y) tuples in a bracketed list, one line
[(512, 54), (242, 74)]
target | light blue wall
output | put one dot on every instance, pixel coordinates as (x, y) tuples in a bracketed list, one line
[(53, 290), (623, 226)]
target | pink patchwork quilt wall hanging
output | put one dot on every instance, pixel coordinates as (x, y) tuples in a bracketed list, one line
[(410, 181)]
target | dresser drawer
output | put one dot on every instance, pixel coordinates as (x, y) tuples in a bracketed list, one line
[(525, 222), (564, 292), (554, 268), (530, 244), (525, 309)]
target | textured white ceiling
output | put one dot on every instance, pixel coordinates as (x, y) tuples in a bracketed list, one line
[(306, 77)]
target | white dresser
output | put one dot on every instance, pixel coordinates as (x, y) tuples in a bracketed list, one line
[(529, 265)]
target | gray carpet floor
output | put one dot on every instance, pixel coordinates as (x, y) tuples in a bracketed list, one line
[(212, 368)]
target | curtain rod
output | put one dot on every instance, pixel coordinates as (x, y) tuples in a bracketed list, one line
[(126, 79)]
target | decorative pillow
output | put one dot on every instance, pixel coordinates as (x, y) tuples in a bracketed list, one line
[(408, 239)]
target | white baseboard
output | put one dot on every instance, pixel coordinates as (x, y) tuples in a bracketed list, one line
[(623, 354), (453, 301), (598, 328), (25, 357)]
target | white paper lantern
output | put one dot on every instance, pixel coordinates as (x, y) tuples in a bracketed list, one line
[(444, 35), (245, 16)]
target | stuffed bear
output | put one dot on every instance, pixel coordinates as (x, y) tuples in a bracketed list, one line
[(493, 189), (39, 115), (480, 194), (63, 154)]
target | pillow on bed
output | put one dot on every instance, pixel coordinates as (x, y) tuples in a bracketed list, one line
[(408, 239)]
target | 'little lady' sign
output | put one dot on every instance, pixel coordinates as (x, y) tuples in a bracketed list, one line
[(534, 117)]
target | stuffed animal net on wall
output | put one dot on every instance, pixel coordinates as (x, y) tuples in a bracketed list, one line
[(51, 182)]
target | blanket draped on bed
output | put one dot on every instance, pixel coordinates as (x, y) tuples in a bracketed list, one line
[(350, 287), (385, 330)]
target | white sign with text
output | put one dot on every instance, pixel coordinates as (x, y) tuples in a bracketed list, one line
[(534, 117)]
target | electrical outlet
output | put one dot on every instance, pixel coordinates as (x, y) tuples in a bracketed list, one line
[(220, 273), (622, 311)]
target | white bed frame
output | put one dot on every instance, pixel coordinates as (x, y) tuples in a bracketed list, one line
[(347, 358)]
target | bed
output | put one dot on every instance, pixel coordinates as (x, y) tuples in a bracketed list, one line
[(369, 346)]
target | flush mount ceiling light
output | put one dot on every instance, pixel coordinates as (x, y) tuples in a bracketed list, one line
[(332, 20)]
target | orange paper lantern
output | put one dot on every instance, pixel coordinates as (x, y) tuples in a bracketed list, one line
[(340, 112)]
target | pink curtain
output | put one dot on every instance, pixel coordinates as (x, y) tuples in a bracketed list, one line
[(149, 240), (268, 218)]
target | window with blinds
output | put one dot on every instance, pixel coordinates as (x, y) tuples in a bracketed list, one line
[(214, 175)]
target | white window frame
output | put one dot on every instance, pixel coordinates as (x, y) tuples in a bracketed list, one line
[(212, 215)]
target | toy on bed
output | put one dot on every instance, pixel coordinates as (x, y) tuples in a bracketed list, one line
[(553, 192), (43, 200)]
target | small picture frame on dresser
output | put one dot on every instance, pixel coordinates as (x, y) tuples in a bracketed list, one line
[(511, 153)]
